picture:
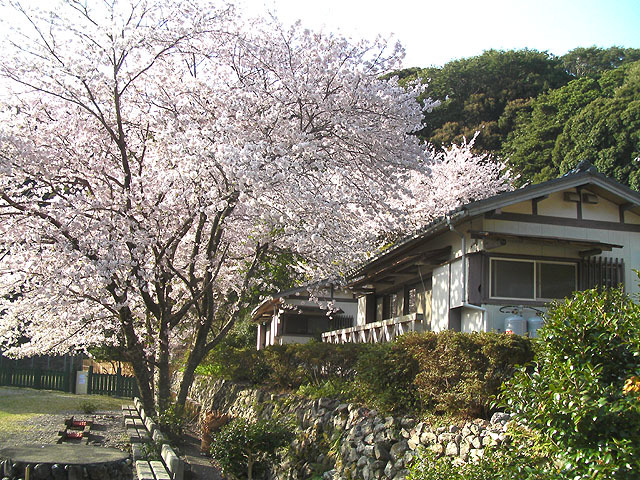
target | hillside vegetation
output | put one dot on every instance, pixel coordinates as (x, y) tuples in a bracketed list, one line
[(544, 113)]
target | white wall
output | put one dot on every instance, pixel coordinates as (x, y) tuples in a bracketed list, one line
[(440, 299), (472, 320)]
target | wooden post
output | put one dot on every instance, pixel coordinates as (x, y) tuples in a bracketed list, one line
[(37, 379), (89, 380), (119, 382)]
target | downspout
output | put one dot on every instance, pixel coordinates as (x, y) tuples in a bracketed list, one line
[(465, 304)]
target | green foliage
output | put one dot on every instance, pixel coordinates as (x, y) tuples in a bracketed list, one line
[(594, 119), (336, 388), (172, 422), (445, 373), (312, 363), (497, 464), (607, 130), (573, 396), (459, 373), (475, 91), (151, 451), (88, 407), (593, 61), (449, 373), (386, 372), (244, 448), (235, 357)]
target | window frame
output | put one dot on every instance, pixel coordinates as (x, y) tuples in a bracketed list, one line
[(535, 262)]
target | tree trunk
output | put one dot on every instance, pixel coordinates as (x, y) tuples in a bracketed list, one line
[(250, 468), (135, 354), (164, 380), (196, 355)]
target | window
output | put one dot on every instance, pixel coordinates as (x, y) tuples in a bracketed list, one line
[(412, 300), (532, 279)]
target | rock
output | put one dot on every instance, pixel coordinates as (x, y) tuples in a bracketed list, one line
[(500, 417), (362, 461), (413, 442), (407, 422), (58, 473), (398, 449), (451, 449), (454, 429), (437, 448), (41, 471), (446, 437), (405, 433), (389, 471), (428, 438), (369, 451), (329, 475), (408, 458), (342, 409), (381, 452), (401, 475), (369, 439)]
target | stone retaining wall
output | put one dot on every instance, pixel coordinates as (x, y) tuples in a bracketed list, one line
[(344, 441)]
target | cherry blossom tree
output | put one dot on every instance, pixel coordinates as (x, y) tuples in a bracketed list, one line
[(152, 155)]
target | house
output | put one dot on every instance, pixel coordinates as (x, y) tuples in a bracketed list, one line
[(302, 314), (491, 264)]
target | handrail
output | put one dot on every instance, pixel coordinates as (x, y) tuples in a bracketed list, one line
[(380, 331)]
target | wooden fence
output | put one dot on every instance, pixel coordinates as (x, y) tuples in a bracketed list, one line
[(111, 384), (116, 384)]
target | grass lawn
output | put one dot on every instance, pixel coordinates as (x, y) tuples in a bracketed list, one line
[(20, 404)]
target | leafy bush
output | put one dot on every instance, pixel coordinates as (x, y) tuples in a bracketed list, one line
[(497, 464), (459, 373), (88, 407), (244, 448), (577, 395), (386, 372), (448, 373), (444, 373), (172, 422)]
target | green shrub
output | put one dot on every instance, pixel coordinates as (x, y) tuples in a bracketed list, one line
[(573, 396), (496, 464), (459, 373), (386, 372), (172, 422), (446, 373), (245, 448), (88, 407), (338, 388)]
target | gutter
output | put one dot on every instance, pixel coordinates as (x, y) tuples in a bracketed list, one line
[(465, 304)]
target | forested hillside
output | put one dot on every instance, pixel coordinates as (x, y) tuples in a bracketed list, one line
[(544, 113)]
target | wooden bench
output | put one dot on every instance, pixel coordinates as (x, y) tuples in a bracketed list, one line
[(170, 468), (142, 428)]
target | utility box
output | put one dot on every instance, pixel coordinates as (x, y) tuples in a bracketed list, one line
[(82, 381)]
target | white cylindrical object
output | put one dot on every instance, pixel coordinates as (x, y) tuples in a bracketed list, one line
[(533, 325), (515, 324)]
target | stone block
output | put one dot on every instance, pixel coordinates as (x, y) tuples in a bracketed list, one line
[(159, 471), (451, 449), (173, 462), (398, 449)]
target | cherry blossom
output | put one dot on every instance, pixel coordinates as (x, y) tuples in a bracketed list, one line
[(152, 153)]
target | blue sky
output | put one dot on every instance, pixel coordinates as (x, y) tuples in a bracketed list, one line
[(434, 32)]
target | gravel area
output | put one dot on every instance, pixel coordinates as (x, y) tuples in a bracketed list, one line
[(108, 430)]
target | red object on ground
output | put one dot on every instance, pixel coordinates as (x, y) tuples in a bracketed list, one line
[(74, 434), (79, 423)]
